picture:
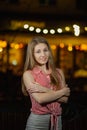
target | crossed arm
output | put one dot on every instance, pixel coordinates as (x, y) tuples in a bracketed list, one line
[(43, 94)]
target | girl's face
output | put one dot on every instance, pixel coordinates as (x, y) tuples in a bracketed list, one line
[(41, 53)]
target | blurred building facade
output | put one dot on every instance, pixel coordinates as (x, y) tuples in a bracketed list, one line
[(63, 23)]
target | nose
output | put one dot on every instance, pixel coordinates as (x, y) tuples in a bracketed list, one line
[(42, 53)]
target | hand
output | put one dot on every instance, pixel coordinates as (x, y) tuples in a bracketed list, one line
[(66, 85), (63, 99), (66, 91)]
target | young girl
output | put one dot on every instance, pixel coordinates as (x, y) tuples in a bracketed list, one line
[(45, 84)]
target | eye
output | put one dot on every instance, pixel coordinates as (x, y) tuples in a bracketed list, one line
[(45, 50), (38, 51)]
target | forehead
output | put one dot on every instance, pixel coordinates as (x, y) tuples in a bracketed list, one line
[(40, 45)]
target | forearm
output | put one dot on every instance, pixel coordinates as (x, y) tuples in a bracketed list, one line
[(50, 96), (33, 86), (63, 99), (36, 87), (40, 93), (44, 95)]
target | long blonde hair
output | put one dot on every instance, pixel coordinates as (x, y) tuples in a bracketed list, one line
[(30, 61)]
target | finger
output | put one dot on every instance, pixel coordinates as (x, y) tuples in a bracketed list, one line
[(66, 85), (37, 83)]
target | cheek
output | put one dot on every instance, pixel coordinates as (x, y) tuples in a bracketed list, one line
[(48, 55), (36, 56)]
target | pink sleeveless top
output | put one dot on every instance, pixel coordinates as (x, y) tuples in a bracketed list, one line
[(53, 108)]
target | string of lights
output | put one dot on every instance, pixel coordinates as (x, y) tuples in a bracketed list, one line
[(76, 29)]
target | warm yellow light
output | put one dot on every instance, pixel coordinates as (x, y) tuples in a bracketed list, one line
[(70, 48), (76, 30), (12, 45), (1, 49), (67, 28), (21, 45), (85, 28), (38, 30), (45, 31), (52, 31), (59, 30), (53, 47), (26, 26), (14, 62), (83, 47), (16, 46), (77, 47), (3, 44), (61, 45), (31, 28)]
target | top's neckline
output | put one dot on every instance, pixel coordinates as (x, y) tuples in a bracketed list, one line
[(38, 70)]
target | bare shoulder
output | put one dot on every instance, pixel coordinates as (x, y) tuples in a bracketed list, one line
[(28, 79), (27, 74)]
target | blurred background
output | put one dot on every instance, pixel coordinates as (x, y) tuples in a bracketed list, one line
[(64, 24)]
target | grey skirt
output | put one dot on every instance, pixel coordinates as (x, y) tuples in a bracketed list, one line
[(40, 122)]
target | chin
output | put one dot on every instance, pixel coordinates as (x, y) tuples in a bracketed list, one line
[(43, 63)]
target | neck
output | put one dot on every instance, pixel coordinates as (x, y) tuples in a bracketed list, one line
[(44, 69)]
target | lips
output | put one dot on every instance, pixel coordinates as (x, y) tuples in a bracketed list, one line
[(43, 59)]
